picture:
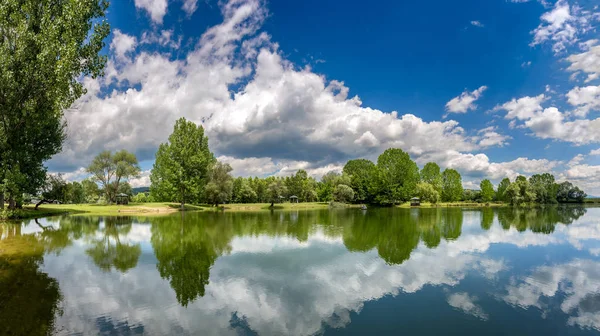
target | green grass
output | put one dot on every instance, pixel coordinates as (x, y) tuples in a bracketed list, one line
[(156, 209), (455, 204)]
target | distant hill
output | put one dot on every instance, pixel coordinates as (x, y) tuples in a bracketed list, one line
[(140, 190)]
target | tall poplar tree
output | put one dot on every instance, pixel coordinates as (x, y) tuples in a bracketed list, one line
[(181, 168)]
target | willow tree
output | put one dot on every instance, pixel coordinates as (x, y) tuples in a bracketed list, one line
[(45, 48), (181, 168)]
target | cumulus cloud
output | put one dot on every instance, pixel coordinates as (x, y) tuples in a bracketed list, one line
[(122, 44), (585, 99), (477, 24), (550, 123), (522, 108), (595, 151), (157, 9), (587, 62), (562, 26), (284, 117), (465, 102)]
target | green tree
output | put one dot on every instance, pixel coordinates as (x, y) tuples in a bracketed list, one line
[(276, 191), (220, 186), (361, 173), (545, 188), (427, 192), (181, 168), (500, 194), (76, 193), (140, 198), (452, 189), (397, 177), (567, 192), (343, 193), (487, 190), (91, 192), (45, 48), (520, 192), (111, 169), (54, 190), (431, 174)]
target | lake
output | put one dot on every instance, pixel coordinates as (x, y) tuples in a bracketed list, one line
[(334, 272)]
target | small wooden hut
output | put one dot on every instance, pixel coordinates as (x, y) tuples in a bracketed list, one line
[(122, 199), (415, 201)]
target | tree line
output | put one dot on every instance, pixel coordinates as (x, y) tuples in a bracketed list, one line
[(186, 170)]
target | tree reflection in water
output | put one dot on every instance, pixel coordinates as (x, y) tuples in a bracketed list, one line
[(109, 251), (29, 298)]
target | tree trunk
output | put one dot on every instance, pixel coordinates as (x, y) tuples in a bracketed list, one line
[(11, 202), (1, 200), (272, 204), (42, 202)]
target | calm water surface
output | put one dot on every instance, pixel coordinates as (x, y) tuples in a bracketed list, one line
[(381, 271)]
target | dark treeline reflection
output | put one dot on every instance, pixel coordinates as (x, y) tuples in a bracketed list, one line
[(187, 245)]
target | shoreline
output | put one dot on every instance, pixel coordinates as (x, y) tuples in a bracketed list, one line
[(165, 209)]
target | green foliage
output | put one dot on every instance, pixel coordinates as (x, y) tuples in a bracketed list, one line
[(55, 188), (328, 183), (91, 192), (427, 192), (520, 192), (501, 193), (544, 187), (276, 191), (45, 48), (181, 168), (397, 177), (343, 193), (220, 185), (111, 169), (361, 173), (431, 174), (567, 192), (452, 189), (487, 190), (75, 193)]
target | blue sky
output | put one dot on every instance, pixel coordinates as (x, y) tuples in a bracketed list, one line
[(492, 88)]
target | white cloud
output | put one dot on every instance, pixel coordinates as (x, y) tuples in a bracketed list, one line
[(522, 108), (550, 123), (164, 38), (585, 99), (122, 44), (287, 117), (142, 181), (587, 62), (526, 64), (189, 6), (157, 9), (466, 303), (595, 151), (477, 24), (464, 102), (562, 26)]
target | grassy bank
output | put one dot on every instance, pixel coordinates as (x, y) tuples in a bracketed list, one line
[(456, 204), (133, 209), (155, 209)]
